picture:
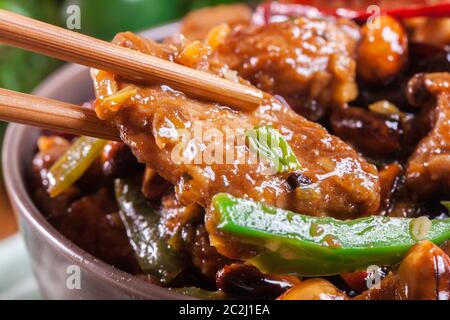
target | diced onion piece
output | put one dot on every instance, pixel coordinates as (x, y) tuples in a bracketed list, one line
[(107, 107), (217, 35), (116, 100), (384, 107)]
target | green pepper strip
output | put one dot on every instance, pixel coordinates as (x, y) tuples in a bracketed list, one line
[(71, 166), (155, 256), (287, 242)]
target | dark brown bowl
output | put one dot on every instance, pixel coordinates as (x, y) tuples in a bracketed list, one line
[(55, 259)]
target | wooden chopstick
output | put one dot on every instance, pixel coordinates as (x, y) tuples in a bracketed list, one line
[(54, 115), (46, 39)]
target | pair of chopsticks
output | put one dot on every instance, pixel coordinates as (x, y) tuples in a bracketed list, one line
[(56, 42)]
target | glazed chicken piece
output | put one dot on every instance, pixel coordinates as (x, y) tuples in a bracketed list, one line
[(375, 135), (428, 169), (333, 180), (310, 63)]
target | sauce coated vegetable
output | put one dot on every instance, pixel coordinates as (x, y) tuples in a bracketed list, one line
[(71, 166), (282, 241)]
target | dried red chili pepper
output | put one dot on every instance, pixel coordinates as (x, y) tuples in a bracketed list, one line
[(276, 11)]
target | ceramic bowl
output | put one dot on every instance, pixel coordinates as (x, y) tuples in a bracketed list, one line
[(62, 269)]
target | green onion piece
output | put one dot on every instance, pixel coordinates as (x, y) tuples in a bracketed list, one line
[(269, 143)]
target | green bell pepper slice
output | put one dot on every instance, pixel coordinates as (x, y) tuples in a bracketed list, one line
[(286, 242), (71, 166), (142, 223)]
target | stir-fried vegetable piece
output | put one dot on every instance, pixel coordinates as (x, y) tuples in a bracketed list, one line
[(111, 105), (155, 256), (267, 142), (71, 166), (287, 242)]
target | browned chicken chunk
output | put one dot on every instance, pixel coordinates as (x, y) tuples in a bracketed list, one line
[(310, 63), (428, 169), (336, 181)]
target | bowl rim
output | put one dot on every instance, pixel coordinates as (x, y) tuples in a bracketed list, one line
[(25, 207)]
